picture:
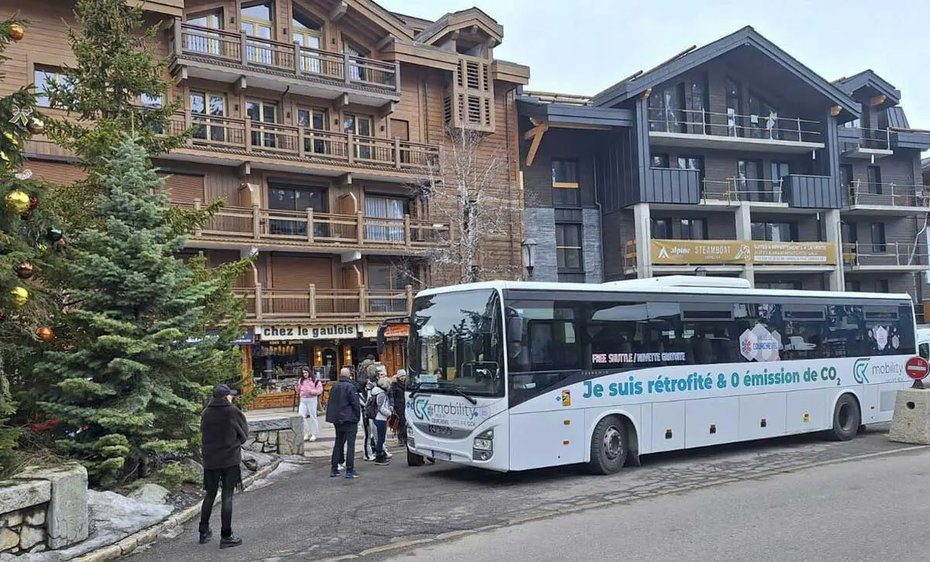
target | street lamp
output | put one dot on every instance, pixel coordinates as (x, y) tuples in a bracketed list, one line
[(529, 255)]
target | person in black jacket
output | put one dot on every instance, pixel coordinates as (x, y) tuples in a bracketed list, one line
[(224, 431), (343, 411), (400, 410)]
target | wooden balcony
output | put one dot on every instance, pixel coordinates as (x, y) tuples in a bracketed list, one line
[(268, 229), (353, 305), (228, 56), (302, 149)]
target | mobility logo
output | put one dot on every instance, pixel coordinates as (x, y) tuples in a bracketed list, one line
[(424, 410), (861, 370)]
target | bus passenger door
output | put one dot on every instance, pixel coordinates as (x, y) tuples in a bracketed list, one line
[(539, 439)]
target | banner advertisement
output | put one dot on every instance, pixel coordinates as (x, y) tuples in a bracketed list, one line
[(712, 252)]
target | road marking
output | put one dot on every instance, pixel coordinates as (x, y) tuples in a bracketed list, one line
[(587, 505)]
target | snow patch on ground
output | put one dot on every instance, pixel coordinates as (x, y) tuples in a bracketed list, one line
[(282, 471)]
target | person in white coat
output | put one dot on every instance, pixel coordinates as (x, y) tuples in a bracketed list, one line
[(382, 410)]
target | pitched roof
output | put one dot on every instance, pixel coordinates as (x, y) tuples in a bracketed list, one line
[(452, 21), (746, 36), (868, 79)]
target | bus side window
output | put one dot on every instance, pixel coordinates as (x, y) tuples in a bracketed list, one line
[(924, 350)]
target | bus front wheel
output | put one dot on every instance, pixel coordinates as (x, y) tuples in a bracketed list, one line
[(846, 418), (414, 459), (609, 446)]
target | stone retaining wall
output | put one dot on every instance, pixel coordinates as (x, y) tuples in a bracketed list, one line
[(43, 508), (282, 435)]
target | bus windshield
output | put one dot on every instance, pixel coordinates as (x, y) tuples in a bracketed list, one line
[(456, 344)]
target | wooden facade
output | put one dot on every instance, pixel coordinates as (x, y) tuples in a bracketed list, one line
[(313, 120)]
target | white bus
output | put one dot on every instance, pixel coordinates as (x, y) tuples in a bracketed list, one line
[(520, 375)]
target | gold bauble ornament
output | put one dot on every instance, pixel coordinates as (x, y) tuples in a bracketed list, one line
[(20, 295), (11, 138), (45, 334), (36, 126), (17, 201), (17, 32)]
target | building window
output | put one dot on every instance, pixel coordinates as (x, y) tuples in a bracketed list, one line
[(692, 163), (878, 237), (875, 180), (297, 198), (659, 160), (565, 186), (775, 231), (568, 246), (384, 218), (854, 124), (309, 35), (854, 286), (262, 112), (362, 126), (200, 41), (882, 286), (674, 228), (208, 111), (43, 76), (848, 231), (257, 22), (388, 282)]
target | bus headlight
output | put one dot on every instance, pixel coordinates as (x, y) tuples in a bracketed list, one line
[(483, 446)]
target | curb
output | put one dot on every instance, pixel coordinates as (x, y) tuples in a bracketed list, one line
[(148, 535)]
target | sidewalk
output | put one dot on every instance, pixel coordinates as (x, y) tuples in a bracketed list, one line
[(322, 448)]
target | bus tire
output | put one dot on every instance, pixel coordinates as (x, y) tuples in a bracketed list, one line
[(846, 418), (609, 446), (414, 459)]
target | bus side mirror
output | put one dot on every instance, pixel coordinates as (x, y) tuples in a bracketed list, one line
[(514, 329)]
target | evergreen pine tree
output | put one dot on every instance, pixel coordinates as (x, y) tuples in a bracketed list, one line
[(24, 243), (128, 387)]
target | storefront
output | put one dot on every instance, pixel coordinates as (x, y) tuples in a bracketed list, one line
[(279, 351)]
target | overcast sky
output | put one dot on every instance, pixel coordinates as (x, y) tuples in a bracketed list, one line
[(584, 46)]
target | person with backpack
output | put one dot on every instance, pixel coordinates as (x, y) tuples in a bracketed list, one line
[(364, 396), (379, 408), (399, 420)]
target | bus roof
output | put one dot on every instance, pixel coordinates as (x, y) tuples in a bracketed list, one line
[(681, 284)]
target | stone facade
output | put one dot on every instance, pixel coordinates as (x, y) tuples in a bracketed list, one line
[(280, 435)]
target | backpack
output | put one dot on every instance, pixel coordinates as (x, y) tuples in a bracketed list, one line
[(371, 407)]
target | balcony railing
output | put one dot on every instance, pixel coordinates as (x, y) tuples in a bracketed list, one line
[(322, 229), (771, 127), (736, 190), (324, 304), (874, 139), (888, 254), (305, 144), (888, 194), (239, 48)]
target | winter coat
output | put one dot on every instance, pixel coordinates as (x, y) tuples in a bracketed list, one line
[(224, 431), (361, 374), (343, 405), (309, 387), (384, 403), (397, 391)]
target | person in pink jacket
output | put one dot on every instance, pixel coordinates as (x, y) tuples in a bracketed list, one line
[(308, 392)]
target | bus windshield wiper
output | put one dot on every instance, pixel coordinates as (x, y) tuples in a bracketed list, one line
[(461, 393), (453, 386)]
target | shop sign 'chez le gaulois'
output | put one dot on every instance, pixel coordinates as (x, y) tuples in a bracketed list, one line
[(325, 332)]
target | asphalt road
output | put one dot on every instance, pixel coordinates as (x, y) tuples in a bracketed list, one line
[(304, 514), (860, 511)]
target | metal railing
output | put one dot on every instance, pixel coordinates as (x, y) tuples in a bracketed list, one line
[(887, 254), (736, 190), (888, 194), (297, 142), (322, 229), (766, 127), (329, 304), (257, 52), (878, 139)]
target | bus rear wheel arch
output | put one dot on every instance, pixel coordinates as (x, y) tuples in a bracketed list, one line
[(847, 418), (612, 442)]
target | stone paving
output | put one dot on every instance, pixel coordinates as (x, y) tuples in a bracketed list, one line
[(310, 516)]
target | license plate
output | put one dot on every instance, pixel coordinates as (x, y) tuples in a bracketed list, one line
[(442, 456)]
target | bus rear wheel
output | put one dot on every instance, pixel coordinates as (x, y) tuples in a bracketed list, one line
[(609, 446), (846, 418)]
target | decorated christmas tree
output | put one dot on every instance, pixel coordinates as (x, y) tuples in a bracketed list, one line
[(129, 385), (29, 239)]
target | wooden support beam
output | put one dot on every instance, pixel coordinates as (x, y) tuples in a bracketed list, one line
[(239, 85), (245, 169), (336, 13), (835, 110), (877, 100), (534, 146), (345, 179), (538, 129), (386, 109), (342, 100), (380, 45)]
